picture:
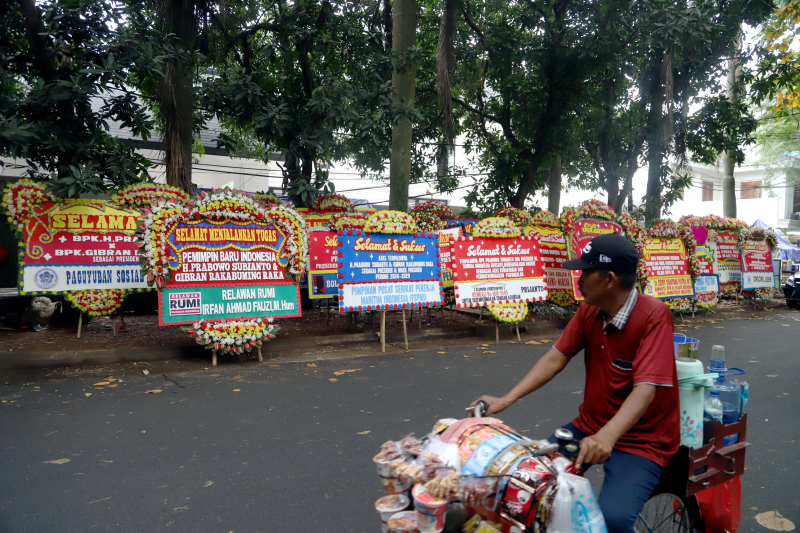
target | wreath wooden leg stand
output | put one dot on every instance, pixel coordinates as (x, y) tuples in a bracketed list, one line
[(441, 310), (480, 321), (80, 324), (496, 331), (260, 357), (383, 331), (419, 317), (328, 311), (113, 329), (516, 326), (405, 333), (213, 358)]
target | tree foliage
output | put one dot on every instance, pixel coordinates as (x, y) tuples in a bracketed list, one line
[(63, 83)]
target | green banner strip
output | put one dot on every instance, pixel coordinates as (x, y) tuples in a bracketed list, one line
[(187, 305)]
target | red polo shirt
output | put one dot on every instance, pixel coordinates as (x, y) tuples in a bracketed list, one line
[(617, 360)]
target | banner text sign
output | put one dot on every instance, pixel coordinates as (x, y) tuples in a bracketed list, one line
[(497, 270), (445, 245), (80, 245), (667, 268), (757, 272), (729, 265), (554, 252), (188, 305), (380, 271)]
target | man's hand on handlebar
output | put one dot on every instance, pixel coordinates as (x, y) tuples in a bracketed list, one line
[(595, 449), (496, 405)]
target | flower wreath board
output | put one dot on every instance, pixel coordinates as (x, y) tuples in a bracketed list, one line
[(667, 253), (756, 257), (446, 237), (706, 287), (388, 266), (323, 263), (554, 252), (498, 268), (226, 266), (580, 233)]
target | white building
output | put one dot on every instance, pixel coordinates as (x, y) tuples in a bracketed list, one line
[(778, 205)]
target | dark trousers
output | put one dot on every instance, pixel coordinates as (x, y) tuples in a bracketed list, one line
[(628, 482)]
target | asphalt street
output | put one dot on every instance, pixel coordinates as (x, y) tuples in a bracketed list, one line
[(288, 448)]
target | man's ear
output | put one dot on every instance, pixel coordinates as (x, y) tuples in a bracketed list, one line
[(611, 279)]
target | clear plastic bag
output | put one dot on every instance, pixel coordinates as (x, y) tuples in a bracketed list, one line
[(575, 509)]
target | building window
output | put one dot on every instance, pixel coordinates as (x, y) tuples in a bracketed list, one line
[(708, 191), (751, 190)]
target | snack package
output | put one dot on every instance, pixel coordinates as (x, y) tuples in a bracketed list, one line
[(471, 525)]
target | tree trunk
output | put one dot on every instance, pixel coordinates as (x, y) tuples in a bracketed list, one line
[(178, 103), (404, 36), (728, 181), (554, 187), (655, 158)]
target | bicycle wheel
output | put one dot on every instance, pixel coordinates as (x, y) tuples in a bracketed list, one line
[(664, 513)]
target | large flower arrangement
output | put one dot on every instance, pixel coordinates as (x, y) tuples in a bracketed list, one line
[(681, 305), (518, 216), (333, 203), (509, 313), (590, 209), (496, 227), (713, 221), (145, 194), (348, 220), (19, 199), (268, 198), (546, 218), (391, 222), (366, 210), (756, 234), (96, 302), (599, 210), (440, 209), (561, 297), (667, 229), (427, 222), (232, 336), (220, 205)]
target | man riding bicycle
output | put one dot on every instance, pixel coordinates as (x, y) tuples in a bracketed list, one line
[(629, 418)]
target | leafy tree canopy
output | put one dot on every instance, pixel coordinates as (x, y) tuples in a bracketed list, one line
[(63, 81)]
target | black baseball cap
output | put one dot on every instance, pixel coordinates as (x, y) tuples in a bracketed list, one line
[(610, 252)]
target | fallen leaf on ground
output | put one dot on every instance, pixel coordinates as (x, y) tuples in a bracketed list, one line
[(238, 377), (489, 352), (363, 432), (181, 509), (237, 390), (533, 342), (333, 379), (775, 521), (214, 375), (312, 365), (343, 372), (274, 366), (208, 483), (786, 325), (545, 340), (112, 386), (206, 368), (104, 461), (512, 342), (56, 461), (87, 394), (153, 391), (441, 352), (101, 384), (772, 375)]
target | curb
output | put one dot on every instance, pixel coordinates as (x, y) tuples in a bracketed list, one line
[(128, 355)]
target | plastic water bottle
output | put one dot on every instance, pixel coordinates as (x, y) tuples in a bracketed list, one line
[(729, 396), (744, 397), (712, 411)]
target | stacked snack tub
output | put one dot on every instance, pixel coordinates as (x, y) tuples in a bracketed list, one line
[(475, 475)]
